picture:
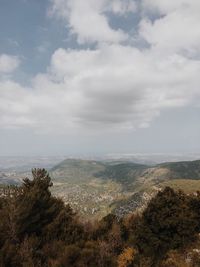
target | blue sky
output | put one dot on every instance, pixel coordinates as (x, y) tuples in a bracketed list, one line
[(99, 77), (28, 32)]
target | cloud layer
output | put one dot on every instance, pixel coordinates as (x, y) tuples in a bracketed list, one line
[(114, 85)]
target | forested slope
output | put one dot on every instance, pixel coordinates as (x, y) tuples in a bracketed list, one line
[(37, 229)]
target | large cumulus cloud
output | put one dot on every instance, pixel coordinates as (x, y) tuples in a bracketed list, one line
[(115, 85)]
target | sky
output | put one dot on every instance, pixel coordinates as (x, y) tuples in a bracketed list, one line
[(95, 77)]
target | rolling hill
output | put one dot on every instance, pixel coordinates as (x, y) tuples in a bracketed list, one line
[(96, 188), (99, 187), (183, 170)]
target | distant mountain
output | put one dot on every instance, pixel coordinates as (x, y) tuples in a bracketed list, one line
[(124, 173), (75, 170), (98, 187)]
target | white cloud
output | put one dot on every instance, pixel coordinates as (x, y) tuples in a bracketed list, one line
[(120, 88), (8, 63), (113, 86), (177, 30), (87, 19)]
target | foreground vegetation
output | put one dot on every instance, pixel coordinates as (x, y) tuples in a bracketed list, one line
[(37, 229)]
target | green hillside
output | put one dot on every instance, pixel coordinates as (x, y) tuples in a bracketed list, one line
[(123, 172), (76, 183), (98, 187), (183, 170), (74, 170)]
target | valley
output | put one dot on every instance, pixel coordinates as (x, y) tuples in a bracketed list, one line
[(94, 188)]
